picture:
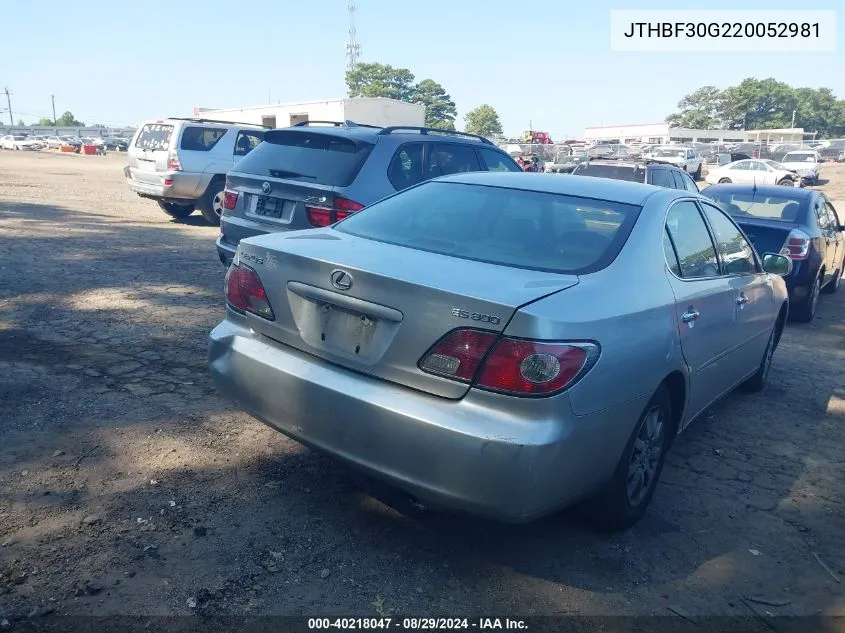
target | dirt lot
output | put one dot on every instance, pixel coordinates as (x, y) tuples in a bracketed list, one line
[(127, 486)]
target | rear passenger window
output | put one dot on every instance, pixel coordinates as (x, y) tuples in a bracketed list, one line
[(454, 159), (247, 141), (737, 254), (496, 161), (669, 252), (406, 168), (696, 254), (662, 178), (200, 139)]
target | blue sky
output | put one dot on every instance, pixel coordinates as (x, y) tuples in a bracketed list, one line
[(121, 62)]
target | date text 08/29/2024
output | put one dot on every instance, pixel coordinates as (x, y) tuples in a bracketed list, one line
[(417, 624)]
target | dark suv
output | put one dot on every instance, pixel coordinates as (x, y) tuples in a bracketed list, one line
[(318, 172), (651, 172)]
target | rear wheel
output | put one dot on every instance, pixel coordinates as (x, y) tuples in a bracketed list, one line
[(211, 205), (627, 495), (758, 381), (176, 210), (724, 181), (805, 311), (834, 283)]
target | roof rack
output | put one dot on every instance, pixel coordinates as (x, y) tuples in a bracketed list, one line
[(435, 131), (196, 120), (346, 123)]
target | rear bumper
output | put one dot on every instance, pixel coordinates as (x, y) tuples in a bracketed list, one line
[(233, 229), (225, 251), (182, 185), (472, 454)]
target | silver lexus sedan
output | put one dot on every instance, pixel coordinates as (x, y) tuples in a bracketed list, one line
[(503, 343)]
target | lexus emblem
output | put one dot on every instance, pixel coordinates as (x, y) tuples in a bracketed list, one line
[(266, 187), (341, 279)]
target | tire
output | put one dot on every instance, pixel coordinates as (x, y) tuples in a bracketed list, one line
[(724, 181), (805, 311), (786, 182), (613, 509), (211, 205), (174, 210), (757, 382), (834, 284)]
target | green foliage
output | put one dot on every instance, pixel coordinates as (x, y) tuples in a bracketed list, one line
[(762, 104), (21, 123), (67, 120), (483, 120), (383, 80), (440, 111), (46, 122)]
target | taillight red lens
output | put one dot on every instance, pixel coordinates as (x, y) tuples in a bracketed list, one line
[(458, 354), (173, 163), (230, 199), (245, 293), (518, 366), (797, 245), (513, 366), (326, 216)]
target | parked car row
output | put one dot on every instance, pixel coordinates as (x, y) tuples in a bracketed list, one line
[(472, 326), (24, 142)]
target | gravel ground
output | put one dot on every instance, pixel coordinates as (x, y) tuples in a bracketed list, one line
[(128, 487)]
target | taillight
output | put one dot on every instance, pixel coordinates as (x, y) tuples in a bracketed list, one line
[(173, 162), (324, 216), (245, 293), (230, 199), (797, 245), (513, 366)]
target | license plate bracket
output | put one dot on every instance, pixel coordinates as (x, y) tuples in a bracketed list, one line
[(345, 330)]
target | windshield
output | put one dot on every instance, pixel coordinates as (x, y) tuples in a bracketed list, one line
[(317, 157), (774, 164), (799, 157), (669, 153), (507, 227), (19, 138), (744, 205)]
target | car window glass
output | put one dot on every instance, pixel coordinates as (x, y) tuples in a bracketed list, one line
[(678, 177), (696, 255), (496, 161), (834, 217), (689, 183), (454, 158), (406, 168), (669, 252), (741, 165), (247, 141), (200, 139), (662, 178), (736, 253), (756, 165)]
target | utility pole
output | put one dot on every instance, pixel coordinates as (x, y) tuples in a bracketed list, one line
[(9, 101), (792, 125), (55, 121)]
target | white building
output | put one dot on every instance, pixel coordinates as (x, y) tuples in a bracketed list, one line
[(664, 133), (379, 111)]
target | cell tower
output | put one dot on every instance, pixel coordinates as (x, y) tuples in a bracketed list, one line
[(353, 48)]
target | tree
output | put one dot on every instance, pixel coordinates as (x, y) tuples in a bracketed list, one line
[(699, 110), (46, 122), (762, 104), (381, 80), (67, 120), (21, 123), (440, 111), (483, 120)]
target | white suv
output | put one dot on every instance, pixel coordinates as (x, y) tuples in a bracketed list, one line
[(682, 157), (182, 163)]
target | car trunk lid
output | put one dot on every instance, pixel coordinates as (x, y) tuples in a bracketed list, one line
[(277, 201), (377, 308)]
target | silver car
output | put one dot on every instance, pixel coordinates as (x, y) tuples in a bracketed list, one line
[(182, 163), (503, 343)]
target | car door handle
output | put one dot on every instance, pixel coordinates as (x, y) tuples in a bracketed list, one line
[(690, 315), (741, 299)]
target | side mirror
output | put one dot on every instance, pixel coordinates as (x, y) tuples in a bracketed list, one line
[(777, 264)]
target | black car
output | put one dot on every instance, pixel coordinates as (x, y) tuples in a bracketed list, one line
[(652, 172), (116, 144), (800, 223)]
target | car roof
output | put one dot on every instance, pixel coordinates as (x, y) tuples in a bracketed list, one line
[(796, 193), (608, 189)]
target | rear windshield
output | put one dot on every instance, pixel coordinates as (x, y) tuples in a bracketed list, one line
[(616, 172), (748, 205), (799, 157), (154, 136), (315, 157), (508, 227)]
